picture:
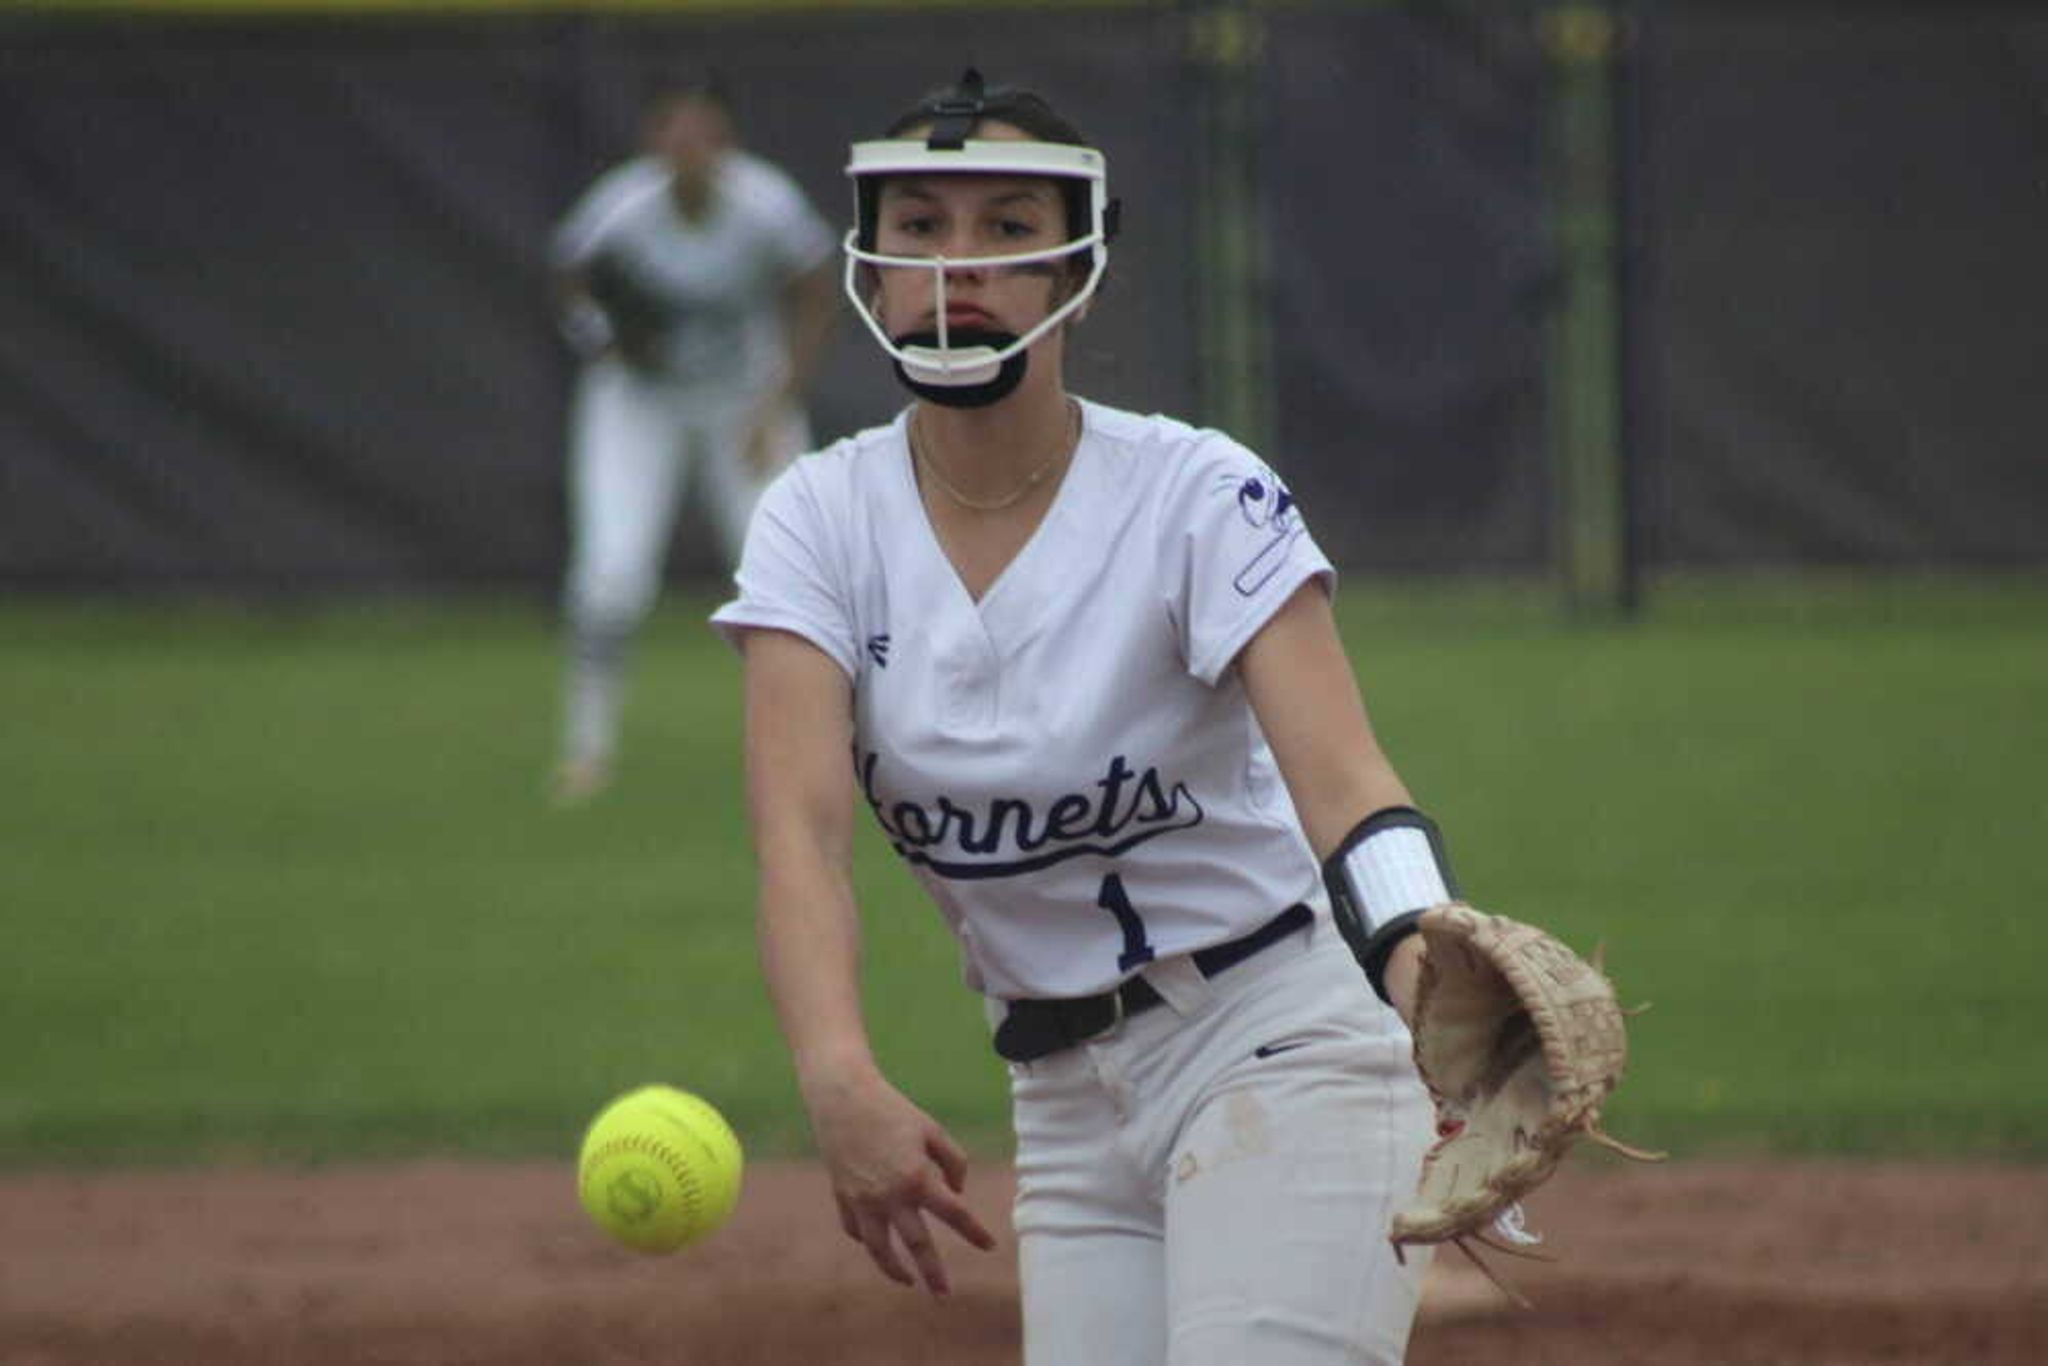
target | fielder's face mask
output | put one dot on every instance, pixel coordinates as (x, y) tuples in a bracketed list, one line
[(974, 367)]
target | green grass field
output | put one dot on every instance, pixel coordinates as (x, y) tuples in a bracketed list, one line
[(285, 883)]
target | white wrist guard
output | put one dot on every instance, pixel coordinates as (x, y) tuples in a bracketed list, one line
[(1388, 870)]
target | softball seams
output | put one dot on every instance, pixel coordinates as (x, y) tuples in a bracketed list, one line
[(690, 1187)]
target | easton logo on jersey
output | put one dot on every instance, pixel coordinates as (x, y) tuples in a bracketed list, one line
[(1268, 508), (1009, 835), (878, 650)]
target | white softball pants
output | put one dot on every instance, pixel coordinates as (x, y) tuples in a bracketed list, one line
[(634, 440), (1183, 1201)]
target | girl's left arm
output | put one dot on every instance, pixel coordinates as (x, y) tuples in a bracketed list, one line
[(1302, 689)]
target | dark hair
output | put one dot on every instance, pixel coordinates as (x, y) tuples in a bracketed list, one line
[(975, 102), (667, 89)]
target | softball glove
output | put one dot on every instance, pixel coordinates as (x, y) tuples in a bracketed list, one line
[(1519, 1041), (636, 315)]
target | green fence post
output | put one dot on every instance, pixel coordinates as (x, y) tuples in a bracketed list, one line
[(1225, 47), (1590, 531)]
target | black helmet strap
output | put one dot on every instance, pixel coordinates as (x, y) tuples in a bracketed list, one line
[(955, 113)]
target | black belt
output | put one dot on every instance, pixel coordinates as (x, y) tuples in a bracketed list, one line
[(1033, 1029)]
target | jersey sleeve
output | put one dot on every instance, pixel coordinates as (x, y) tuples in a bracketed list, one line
[(583, 231), (796, 234), (1233, 549), (786, 578)]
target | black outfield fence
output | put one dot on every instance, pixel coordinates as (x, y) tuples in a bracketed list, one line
[(273, 314)]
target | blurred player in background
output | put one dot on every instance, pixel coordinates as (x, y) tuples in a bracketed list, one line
[(696, 282), (1087, 670)]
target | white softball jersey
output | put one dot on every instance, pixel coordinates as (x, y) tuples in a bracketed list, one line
[(1069, 765), (718, 277)]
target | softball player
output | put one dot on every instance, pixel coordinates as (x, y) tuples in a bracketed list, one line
[(1085, 665), (675, 271)]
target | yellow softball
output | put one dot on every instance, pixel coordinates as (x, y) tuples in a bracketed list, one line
[(659, 1169)]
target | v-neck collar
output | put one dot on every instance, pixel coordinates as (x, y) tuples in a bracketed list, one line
[(1044, 538), (715, 207)]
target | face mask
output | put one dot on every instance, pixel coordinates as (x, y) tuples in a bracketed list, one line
[(970, 367)]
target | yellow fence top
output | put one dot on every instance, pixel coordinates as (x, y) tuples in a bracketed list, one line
[(427, 9)]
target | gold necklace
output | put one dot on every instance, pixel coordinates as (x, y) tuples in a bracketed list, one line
[(1014, 496)]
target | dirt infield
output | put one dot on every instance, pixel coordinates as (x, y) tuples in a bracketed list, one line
[(446, 1264)]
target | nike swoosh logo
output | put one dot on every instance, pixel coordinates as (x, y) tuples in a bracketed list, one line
[(1269, 1050)]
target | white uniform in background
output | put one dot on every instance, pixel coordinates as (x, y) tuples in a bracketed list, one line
[(1072, 771), (639, 432)]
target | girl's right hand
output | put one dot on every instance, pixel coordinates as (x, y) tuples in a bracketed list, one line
[(891, 1164)]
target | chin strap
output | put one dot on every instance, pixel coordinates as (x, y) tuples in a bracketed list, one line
[(974, 385)]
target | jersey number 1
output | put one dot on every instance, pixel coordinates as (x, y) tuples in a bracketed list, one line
[(1137, 948)]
